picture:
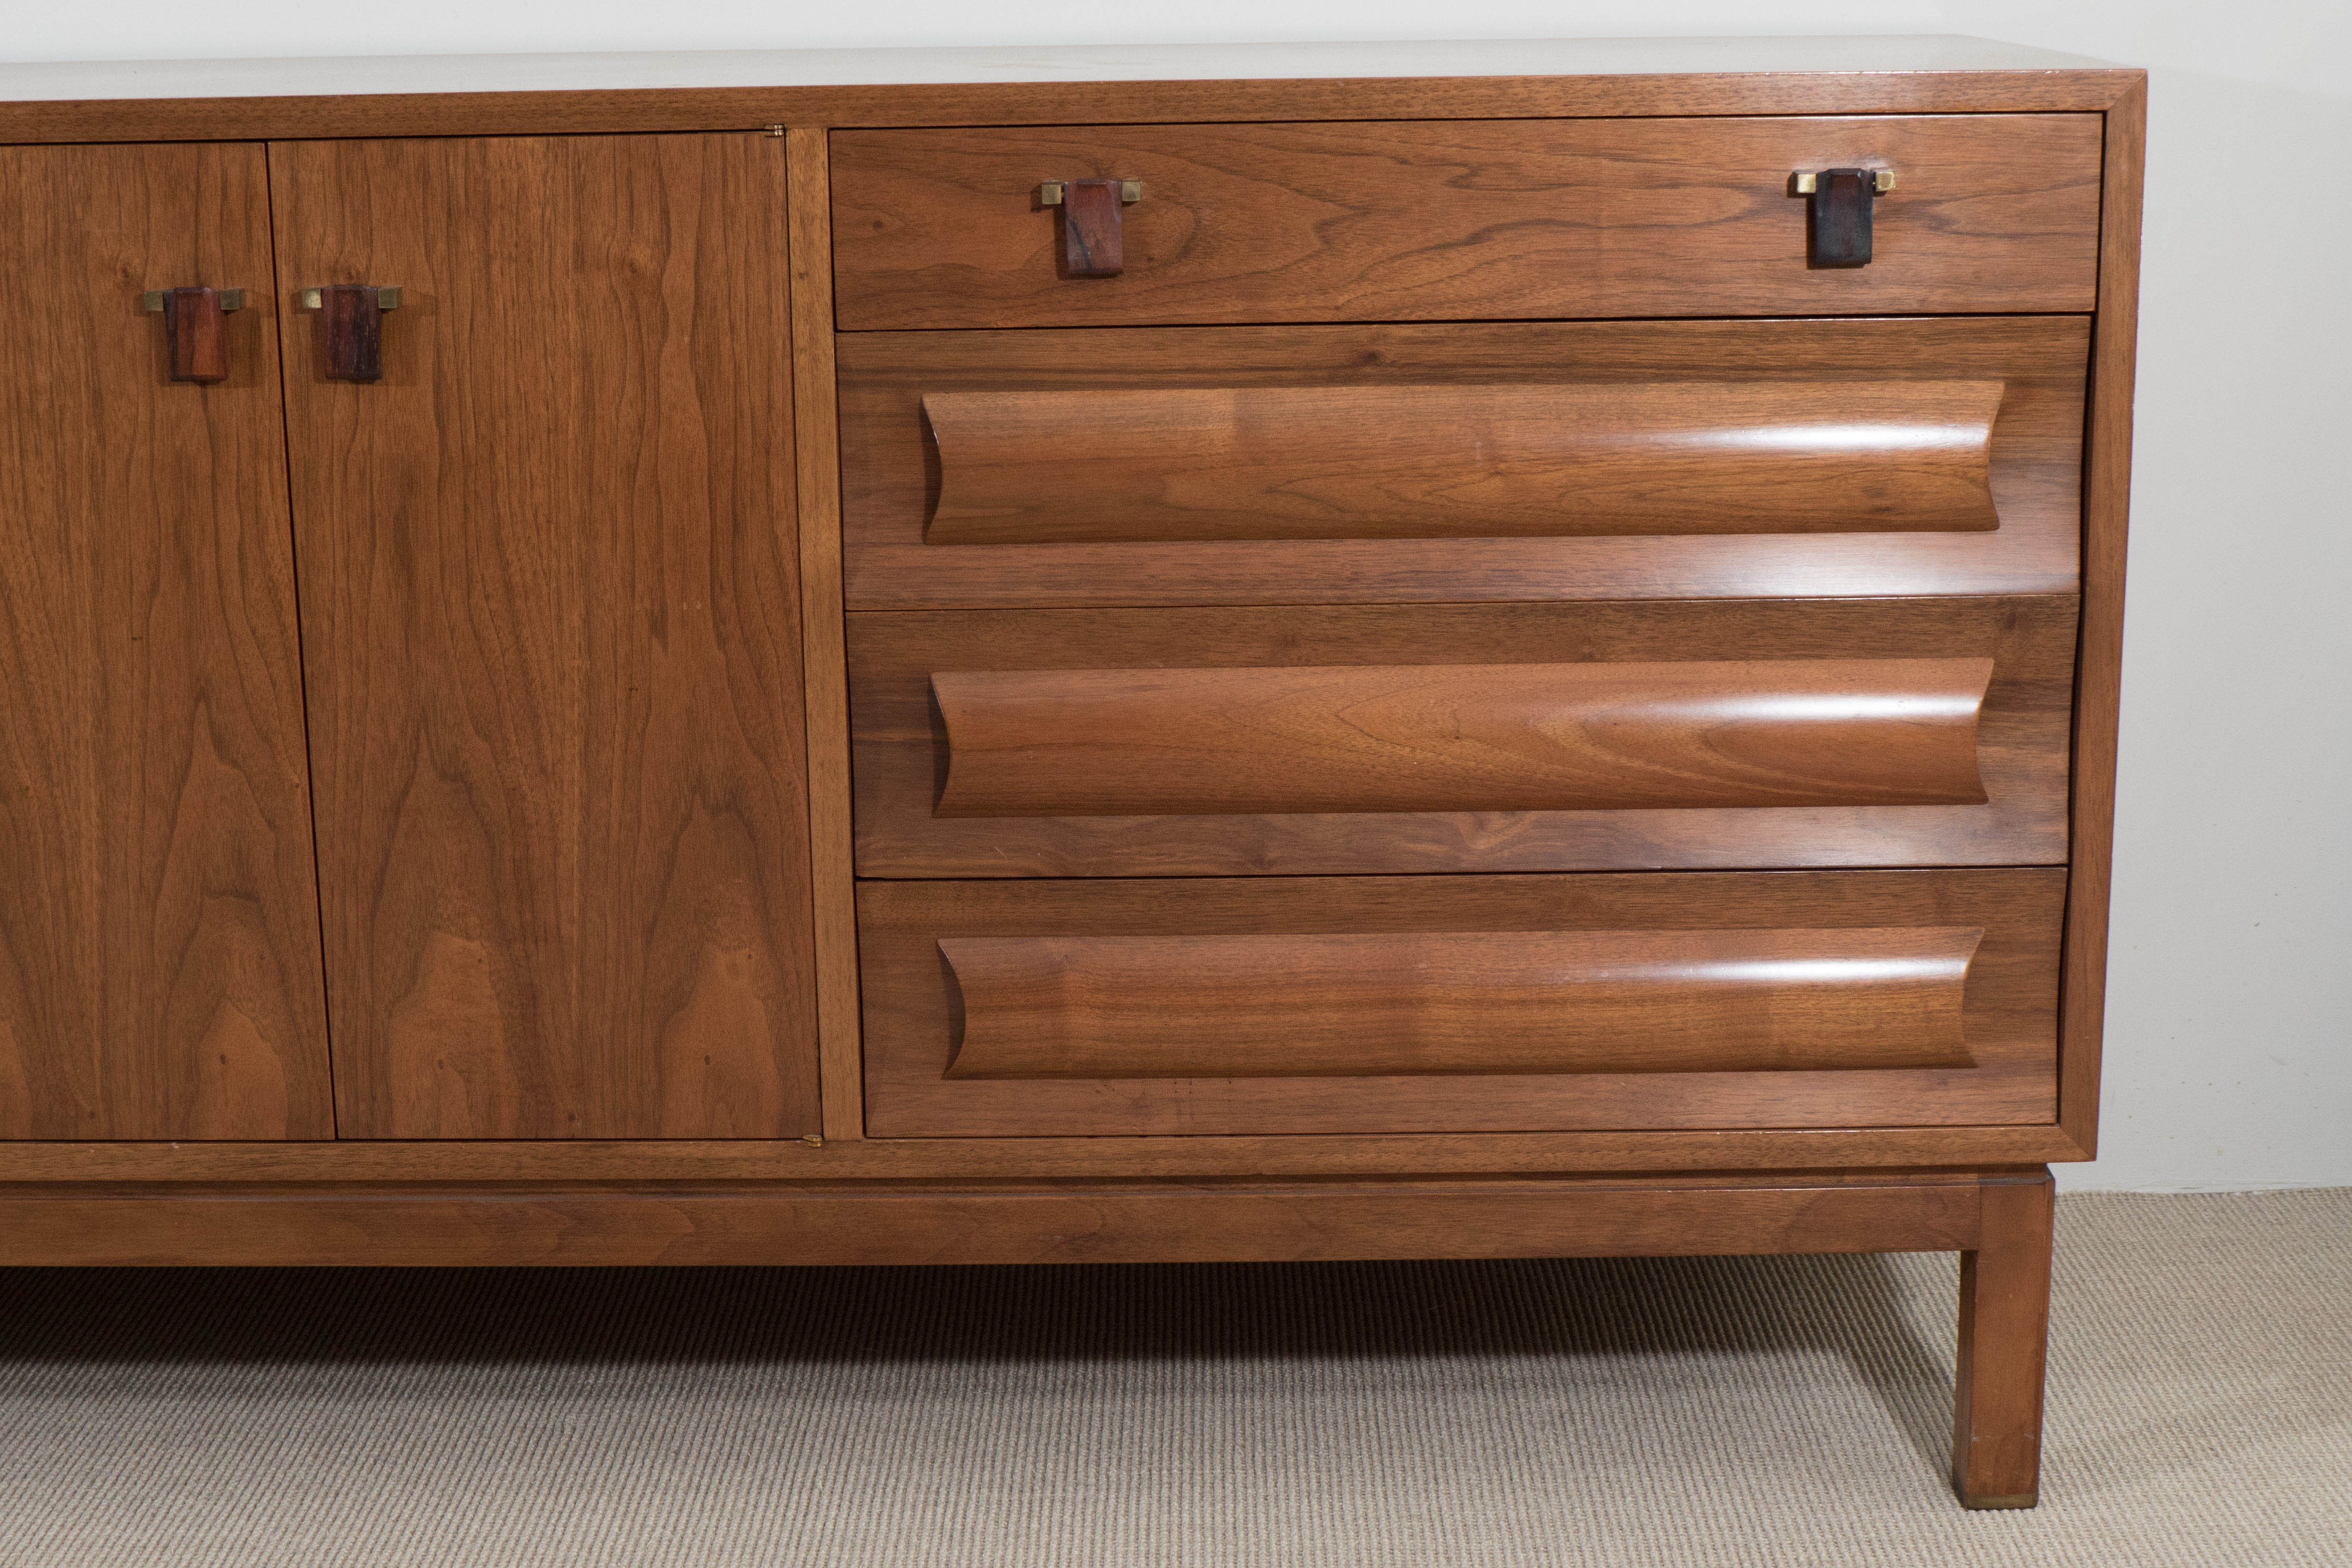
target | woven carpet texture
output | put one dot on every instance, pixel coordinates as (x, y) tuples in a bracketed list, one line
[(1682, 1412)]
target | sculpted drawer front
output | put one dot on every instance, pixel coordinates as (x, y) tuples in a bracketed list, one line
[(1551, 461), (1459, 738), (1456, 1004), (1434, 220)]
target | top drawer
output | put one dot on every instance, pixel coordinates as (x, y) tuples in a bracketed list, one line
[(1425, 220)]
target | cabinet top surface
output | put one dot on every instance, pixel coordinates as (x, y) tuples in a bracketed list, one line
[(118, 80)]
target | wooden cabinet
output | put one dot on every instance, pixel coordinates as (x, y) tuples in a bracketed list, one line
[(551, 614), (159, 937), (1329, 665)]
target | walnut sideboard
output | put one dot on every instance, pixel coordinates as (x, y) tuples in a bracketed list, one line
[(1390, 651)]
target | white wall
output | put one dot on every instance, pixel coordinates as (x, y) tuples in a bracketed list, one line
[(2229, 1048)]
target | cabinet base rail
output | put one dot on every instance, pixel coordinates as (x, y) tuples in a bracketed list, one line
[(1999, 1220)]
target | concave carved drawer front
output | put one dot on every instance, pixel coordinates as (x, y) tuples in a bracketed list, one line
[(1462, 737), (1432, 220), (1585, 460), (1488, 1004), (1454, 737), (1214, 464)]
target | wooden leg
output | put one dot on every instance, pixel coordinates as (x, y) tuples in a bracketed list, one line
[(2004, 1331)]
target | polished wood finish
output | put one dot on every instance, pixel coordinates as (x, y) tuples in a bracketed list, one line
[(969, 1223), (552, 628), (195, 335), (912, 1003), (1398, 755), (2004, 1335), (1467, 461), (824, 674), (1416, 220), (1386, 1004), (540, 780), (994, 398), (1462, 737), (158, 943), (2098, 678)]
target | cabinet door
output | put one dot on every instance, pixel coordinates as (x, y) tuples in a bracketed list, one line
[(551, 617), (158, 943)]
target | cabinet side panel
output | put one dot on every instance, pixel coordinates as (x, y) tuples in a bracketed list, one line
[(552, 600), (158, 943), (2107, 506)]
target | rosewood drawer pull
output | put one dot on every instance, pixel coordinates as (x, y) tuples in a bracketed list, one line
[(193, 331), (1838, 212), (1091, 245), (354, 316)]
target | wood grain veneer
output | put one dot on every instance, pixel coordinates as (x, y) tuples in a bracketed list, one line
[(976, 1223), (551, 622), (901, 556), (1471, 461), (1687, 734), (158, 943), (909, 931), (1356, 767), (1388, 1003), (1418, 220)]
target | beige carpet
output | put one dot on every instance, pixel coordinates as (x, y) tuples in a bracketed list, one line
[(1679, 1412)]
